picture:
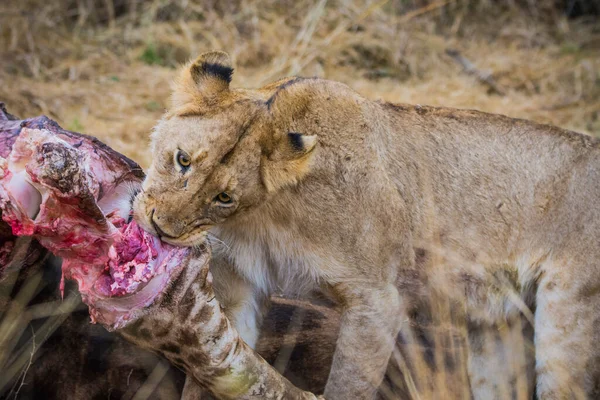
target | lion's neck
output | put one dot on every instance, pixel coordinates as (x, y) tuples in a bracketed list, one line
[(274, 259)]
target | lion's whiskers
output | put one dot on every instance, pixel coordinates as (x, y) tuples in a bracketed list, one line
[(212, 236)]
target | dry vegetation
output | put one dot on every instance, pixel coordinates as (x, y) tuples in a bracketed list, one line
[(104, 66)]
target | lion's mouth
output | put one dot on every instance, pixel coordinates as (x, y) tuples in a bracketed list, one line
[(74, 196), (197, 237)]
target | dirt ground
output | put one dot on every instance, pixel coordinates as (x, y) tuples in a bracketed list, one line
[(104, 67)]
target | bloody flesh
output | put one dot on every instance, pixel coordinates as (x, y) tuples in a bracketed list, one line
[(73, 194)]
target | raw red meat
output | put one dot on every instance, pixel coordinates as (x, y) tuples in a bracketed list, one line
[(73, 194)]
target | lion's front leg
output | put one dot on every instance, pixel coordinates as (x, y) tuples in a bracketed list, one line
[(567, 332), (501, 359), (370, 323), (242, 303)]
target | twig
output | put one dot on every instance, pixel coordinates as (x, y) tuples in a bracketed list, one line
[(129, 376), (285, 352), (423, 10), (28, 364), (110, 11), (153, 380), (468, 67), (13, 324), (44, 332), (563, 104)]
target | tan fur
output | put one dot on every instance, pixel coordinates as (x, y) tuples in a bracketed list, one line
[(383, 204)]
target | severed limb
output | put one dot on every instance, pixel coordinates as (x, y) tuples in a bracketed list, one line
[(189, 327)]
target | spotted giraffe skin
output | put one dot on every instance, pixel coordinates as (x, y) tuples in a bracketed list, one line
[(188, 327)]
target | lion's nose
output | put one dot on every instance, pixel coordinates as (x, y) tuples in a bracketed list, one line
[(157, 228)]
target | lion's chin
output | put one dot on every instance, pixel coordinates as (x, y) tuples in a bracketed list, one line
[(192, 239)]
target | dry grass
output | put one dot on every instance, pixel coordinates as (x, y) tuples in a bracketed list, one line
[(104, 67)]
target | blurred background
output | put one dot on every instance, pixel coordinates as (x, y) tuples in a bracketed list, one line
[(104, 67)]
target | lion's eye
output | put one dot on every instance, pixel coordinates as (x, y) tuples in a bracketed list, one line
[(223, 198), (183, 159)]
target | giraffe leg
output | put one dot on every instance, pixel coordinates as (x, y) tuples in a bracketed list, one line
[(241, 304)]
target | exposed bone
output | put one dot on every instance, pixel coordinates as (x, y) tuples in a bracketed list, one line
[(26, 193)]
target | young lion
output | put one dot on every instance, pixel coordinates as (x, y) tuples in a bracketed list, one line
[(308, 185)]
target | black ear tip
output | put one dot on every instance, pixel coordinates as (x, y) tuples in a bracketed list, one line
[(296, 141), (215, 64), (220, 71)]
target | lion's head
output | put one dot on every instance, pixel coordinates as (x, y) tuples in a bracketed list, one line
[(220, 151)]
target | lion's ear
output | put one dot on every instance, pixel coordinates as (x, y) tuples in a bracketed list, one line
[(203, 80), (288, 161), (212, 72)]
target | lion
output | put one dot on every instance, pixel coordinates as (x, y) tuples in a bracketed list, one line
[(306, 185)]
